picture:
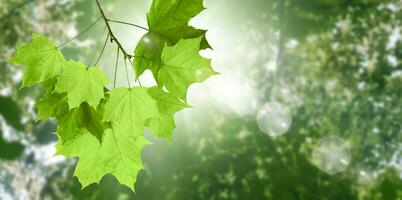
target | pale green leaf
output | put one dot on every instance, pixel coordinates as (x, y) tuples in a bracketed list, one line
[(119, 154), (42, 59), (82, 84), (130, 107), (168, 105), (168, 23), (182, 66), (171, 18)]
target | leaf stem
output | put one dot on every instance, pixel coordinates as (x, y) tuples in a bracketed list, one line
[(79, 34), (127, 23), (115, 68), (103, 49), (138, 77), (112, 36), (97, 46), (128, 80)]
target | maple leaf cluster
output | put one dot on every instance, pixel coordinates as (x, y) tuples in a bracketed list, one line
[(105, 128)]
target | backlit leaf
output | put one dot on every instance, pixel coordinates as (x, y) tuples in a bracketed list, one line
[(42, 60), (82, 84)]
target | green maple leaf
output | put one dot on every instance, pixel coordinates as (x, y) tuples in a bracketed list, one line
[(69, 124), (84, 117), (130, 107), (168, 105), (168, 23), (148, 54), (182, 66), (93, 120), (42, 59), (82, 84), (171, 17), (119, 151), (52, 105), (49, 85), (119, 154)]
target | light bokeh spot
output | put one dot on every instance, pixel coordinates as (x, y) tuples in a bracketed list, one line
[(332, 154), (274, 119)]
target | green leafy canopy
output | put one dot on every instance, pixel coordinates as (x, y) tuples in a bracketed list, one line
[(105, 127)]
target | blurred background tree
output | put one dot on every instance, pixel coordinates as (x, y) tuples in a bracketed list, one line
[(334, 64)]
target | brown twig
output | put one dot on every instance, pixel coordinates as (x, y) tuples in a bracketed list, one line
[(112, 37)]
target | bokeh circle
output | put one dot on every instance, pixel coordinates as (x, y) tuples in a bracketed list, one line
[(274, 118), (332, 154)]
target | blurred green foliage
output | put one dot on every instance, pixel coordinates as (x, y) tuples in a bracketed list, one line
[(344, 76)]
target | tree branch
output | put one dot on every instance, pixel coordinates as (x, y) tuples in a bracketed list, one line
[(112, 37)]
